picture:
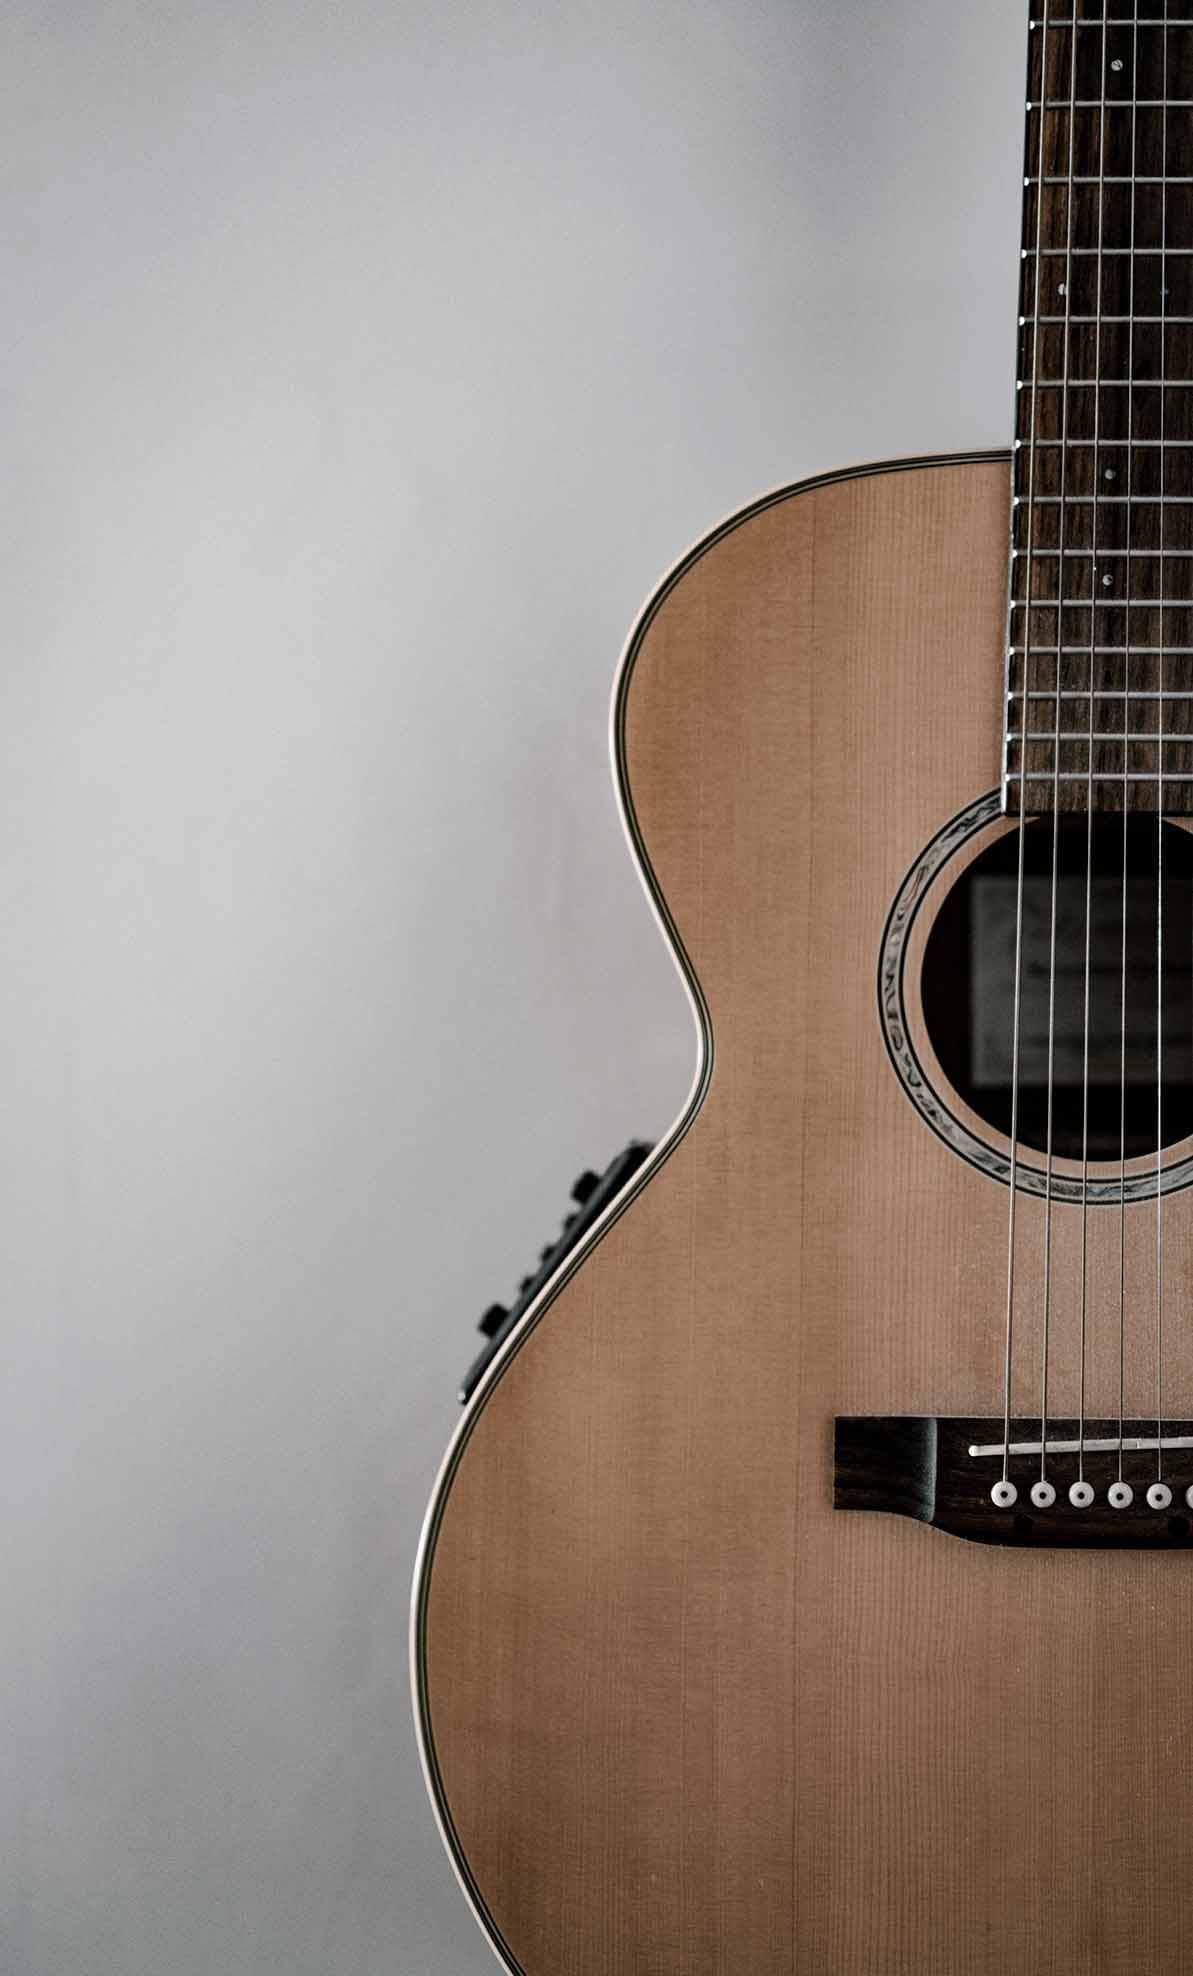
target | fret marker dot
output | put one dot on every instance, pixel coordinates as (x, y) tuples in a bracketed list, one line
[(1106, 582), (1060, 287), (1116, 65), (1109, 474)]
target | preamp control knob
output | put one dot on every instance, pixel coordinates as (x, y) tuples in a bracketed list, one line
[(492, 1320)]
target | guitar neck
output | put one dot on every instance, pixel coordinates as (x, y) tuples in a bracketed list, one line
[(1099, 708)]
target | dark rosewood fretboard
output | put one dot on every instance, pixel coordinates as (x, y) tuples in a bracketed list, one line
[(1102, 529)]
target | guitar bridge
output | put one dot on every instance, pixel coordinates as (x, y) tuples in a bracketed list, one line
[(1111, 1485)]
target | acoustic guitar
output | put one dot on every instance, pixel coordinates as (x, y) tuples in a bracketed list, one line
[(809, 1585)]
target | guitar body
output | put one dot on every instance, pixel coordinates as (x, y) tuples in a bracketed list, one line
[(681, 1715)]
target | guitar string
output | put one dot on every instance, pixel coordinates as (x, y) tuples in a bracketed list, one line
[(1045, 1494), (1160, 774), (1096, 464), (1003, 1494), (1122, 1142)]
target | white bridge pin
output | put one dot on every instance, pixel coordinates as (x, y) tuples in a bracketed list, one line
[(1159, 1496), (1003, 1494), (1120, 1495), (1081, 1494), (1043, 1494)]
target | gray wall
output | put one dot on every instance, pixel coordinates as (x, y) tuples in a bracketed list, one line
[(365, 365)]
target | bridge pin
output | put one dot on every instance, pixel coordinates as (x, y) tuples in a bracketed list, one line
[(1159, 1496), (1043, 1494), (1003, 1494), (1120, 1495), (1081, 1494)]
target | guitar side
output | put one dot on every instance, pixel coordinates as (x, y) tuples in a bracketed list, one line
[(677, 1715)]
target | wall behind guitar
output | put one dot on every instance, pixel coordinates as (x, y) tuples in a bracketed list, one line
[(365, 366)]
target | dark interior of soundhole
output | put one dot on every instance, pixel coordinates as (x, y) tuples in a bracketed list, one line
[(969, 976)]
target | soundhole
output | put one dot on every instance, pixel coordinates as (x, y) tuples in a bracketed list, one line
[(968, 984)]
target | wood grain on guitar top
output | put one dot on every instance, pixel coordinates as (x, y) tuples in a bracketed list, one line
[(686, 1719)]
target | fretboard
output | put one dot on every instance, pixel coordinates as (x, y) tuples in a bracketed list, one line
[(1100, 643)]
